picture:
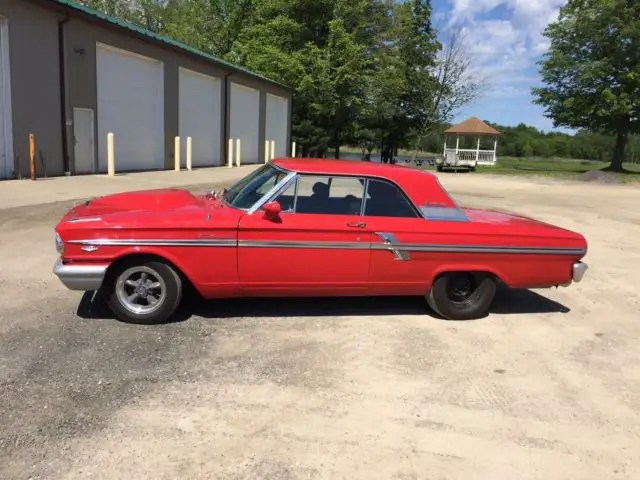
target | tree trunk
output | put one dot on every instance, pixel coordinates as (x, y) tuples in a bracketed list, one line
[(618, 152)]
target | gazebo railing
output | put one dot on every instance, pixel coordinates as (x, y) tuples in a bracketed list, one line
[(483, 157)]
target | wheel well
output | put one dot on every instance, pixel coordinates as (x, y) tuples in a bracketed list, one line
[(493, 275), (145, 257)]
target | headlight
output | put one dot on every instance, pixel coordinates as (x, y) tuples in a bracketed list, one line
[(59, 244)]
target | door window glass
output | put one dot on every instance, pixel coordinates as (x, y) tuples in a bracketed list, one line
[(324, 195), (384, 199)]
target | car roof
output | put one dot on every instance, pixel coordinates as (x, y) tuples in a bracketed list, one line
[(422, 187)]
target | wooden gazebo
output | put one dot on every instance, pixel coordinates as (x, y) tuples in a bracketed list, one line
[(472, 127)]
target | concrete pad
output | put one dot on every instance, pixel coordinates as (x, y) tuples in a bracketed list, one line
[(18, 193)]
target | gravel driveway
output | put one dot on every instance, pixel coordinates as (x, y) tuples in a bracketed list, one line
[(548, 386)]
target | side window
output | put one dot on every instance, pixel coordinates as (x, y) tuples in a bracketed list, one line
[(384, 199), (324, 195)]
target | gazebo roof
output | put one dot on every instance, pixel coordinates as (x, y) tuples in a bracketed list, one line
[(473, 126)]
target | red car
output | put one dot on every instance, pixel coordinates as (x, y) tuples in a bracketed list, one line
[(302, 227)]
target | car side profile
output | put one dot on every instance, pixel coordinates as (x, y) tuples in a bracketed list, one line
[(308, 227)]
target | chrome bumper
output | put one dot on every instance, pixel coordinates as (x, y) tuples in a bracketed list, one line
[(579, 270), (87, 278)]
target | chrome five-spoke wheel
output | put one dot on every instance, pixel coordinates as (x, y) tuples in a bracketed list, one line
[(141, 289), (144, 291)]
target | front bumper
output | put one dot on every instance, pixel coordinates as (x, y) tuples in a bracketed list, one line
[(579, 269), (87, 278)]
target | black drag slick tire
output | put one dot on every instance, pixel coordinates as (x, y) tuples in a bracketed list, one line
[(150, 274), (462, 295)]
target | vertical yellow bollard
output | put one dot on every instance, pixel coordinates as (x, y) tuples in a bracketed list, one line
[(266, 151), (293, 149), (176, 153), (189, 153), (230, 154), (273, 149), (111, 159), (237, 152)]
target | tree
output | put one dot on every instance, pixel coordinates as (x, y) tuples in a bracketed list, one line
[(592, 70), (453, 85)]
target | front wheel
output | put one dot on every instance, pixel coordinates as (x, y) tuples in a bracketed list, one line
[(462, 295), (145, 292)]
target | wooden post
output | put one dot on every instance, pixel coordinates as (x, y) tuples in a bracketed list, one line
[(230, 154), (273, 149), (293, 150), (111, 161), (445, 145), (189, 152), (176, 153), (32, 156), (266, 151), (478, 150), (495, 149), (457, 143), (237, 152)]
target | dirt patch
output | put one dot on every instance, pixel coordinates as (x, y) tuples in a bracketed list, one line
[(598, 176)]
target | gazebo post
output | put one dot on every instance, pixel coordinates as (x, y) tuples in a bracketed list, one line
[(478, 150), (495, 149), (445, 145), (457, 143)]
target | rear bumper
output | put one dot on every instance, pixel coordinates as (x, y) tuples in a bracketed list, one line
[(579, 269), (87, 278)]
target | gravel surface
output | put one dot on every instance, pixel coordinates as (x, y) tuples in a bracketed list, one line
[(547, 386)]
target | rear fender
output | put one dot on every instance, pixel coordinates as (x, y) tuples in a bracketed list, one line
[(470, 267)]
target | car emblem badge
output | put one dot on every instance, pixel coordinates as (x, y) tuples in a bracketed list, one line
[(89, 248)]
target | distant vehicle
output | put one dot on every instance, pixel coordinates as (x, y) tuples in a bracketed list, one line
[(453, 160), (302, 228)]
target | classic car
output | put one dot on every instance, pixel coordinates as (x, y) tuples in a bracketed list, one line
[(308, 227)]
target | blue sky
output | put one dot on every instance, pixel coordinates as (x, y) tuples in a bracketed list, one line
[(504, 39)]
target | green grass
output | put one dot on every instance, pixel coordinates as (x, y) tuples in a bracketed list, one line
[(563, 168)]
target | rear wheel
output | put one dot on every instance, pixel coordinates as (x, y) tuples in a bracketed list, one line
[(462, 295), (144, 292)]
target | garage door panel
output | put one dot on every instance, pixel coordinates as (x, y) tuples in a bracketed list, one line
[(200, 116), (277, 117), (131, 106), (245, 121)]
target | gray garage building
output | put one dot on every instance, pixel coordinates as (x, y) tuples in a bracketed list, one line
[(71, 75)]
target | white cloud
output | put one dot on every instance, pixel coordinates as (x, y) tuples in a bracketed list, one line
[(505, 47)]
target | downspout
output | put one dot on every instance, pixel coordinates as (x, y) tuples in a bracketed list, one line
[(63, 94), (227, 117)]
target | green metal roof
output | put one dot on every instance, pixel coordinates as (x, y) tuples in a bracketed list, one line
[(161, 38)]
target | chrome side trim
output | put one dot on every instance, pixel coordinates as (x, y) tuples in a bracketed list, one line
[(392, 244), (490, 249), (293, 244), (80, 277), (84, 219), (579, 269), (140, 242)]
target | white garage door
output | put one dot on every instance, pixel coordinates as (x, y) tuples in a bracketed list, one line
[(277, 120), (6, 135), (244, 124), (200, 116), (131, 106)]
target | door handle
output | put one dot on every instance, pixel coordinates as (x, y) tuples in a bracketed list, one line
[(356, 224)]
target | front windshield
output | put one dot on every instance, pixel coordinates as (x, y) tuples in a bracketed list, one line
[(252, 187)]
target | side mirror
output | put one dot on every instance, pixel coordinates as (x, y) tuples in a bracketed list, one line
[(271, 210)]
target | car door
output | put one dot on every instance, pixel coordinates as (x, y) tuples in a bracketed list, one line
[(394, 224), (315, 246)]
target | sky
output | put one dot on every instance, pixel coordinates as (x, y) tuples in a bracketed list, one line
[(505, 40)]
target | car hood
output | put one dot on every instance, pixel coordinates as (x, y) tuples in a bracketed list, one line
[(144, 200)]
